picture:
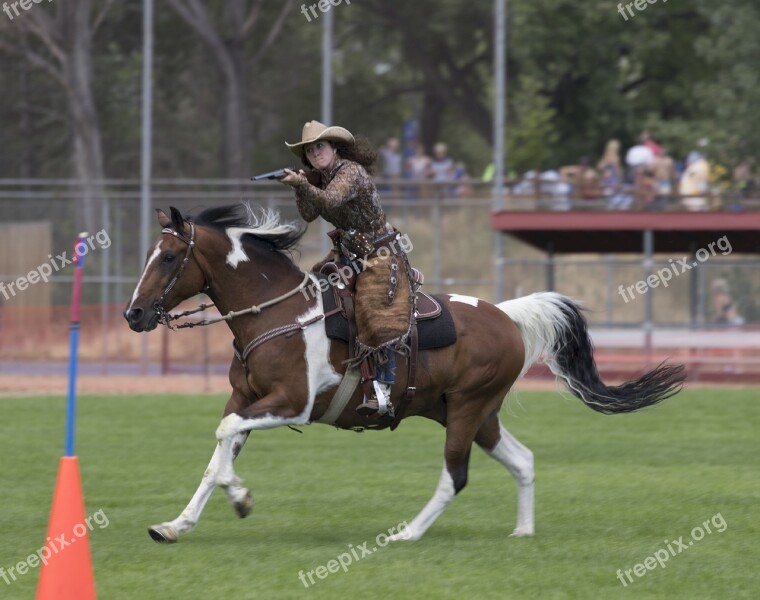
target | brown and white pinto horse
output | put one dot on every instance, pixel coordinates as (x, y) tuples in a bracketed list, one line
[(239, 257)]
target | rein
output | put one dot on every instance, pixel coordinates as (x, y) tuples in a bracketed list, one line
[(166, 319)]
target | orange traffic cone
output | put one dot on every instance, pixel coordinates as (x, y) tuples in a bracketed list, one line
[(66, 571)]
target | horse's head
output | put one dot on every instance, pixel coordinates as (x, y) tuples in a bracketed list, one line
[(171, 273)]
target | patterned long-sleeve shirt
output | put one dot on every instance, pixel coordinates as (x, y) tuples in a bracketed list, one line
[(347, 198)]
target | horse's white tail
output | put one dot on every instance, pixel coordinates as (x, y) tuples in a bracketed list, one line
[(555, 333)]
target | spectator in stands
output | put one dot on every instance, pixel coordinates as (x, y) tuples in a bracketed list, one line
[(418, 167), (583, 180), (693, 185), (441, 166), (664, 169), (610, 169), (589, 181), (648, 141), (463, 188), (638, 157), (744, 180), (611, 178), (392, 164), (724, 307)]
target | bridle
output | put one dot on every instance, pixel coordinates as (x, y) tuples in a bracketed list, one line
[(165, 318)]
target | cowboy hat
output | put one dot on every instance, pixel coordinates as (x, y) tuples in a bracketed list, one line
[(314, 130)]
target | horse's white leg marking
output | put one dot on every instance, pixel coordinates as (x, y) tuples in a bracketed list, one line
[(156, 252), (444, 494), (519, 461), (187, 520)]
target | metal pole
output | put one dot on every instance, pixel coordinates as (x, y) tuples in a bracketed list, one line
[(648, 316), (146, 151), (147, 126), (327, 116), (437, 249), (550, 267), (76, 303), (499, 131), (610, 288), (693, 288), (105, 296)]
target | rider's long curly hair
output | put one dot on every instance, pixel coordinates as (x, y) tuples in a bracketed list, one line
[(360, 152)]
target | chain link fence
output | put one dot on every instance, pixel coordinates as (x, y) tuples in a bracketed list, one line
[(448, 224)]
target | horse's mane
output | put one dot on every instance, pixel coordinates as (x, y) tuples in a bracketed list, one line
[(262, 223)]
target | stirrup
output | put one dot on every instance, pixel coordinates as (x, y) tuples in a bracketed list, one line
[(369, 407), (379, 402)]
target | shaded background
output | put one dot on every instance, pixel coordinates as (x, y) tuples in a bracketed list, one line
[(233, 80)]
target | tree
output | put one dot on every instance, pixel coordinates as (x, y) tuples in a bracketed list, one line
[(449, 45), (532, 133), (225, 38), (62, 49)]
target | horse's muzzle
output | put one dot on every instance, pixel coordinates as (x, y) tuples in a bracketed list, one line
[(140, 320)]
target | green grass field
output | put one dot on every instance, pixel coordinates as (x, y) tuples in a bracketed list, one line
[(609, 492)]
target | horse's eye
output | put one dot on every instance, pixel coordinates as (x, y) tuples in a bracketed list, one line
[(169, 258)]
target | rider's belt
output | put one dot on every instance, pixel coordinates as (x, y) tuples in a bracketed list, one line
[(388, 240)]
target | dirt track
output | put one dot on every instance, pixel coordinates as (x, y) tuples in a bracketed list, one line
[(14, 385), (57, 385)]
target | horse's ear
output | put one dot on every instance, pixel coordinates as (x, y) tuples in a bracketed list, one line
[(163, 220), (177, 220)]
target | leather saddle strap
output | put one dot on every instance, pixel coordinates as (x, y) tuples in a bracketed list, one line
[(342, 396), (348, 305), (411, 380)]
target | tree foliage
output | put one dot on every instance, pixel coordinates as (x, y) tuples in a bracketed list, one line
[(233, 80)]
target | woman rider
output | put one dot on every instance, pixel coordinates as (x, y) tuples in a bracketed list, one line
[(339, 188)]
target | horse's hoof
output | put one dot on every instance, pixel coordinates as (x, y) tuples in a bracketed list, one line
[(163, 534), (405, 535), (243, 507), (521, 532)]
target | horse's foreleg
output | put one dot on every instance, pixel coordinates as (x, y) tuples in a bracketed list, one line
[(259, 415), (169, 531), (500, 445)]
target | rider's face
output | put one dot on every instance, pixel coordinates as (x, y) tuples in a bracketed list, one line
[(321, 155)]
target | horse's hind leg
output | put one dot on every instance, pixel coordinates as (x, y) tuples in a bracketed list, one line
[(499, 444), (460, 432)]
